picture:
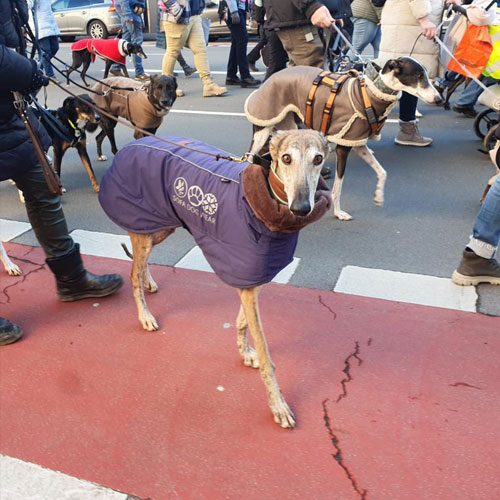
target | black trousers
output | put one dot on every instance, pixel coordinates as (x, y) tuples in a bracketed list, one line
[(274, 55)]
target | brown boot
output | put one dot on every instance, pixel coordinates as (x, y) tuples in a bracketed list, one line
[(474, 269), (211, 89), (410, 136)]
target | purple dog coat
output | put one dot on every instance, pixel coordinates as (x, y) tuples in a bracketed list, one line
[(152, 185)]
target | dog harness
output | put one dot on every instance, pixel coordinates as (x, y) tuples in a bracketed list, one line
[(335, 82), (152, 186), (107, 48)]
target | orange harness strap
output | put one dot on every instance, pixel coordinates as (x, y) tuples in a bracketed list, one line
[(310, 98), (373, 121), (327, 111)]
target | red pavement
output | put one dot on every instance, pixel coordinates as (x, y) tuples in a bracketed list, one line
[(393, 401)]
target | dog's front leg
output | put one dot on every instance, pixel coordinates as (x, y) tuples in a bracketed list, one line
[(9, 266), (247, 352), (365, 153), (342, 154), (81, 147), (279, 407), (259, 139)]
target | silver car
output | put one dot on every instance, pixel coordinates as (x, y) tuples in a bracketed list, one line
[(95, 18), (218, 28)]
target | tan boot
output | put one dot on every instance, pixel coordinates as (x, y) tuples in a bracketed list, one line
[(410, 136), (211, 89)]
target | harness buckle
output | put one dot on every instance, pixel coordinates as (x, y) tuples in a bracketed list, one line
[(370, 115)]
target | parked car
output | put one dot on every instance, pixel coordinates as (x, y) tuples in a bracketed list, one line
[(218, 28), (94, 18)]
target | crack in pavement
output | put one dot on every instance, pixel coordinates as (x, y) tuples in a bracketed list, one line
[(23, 277), (347, 371), (320, 299), (464, 384), (338, 453)]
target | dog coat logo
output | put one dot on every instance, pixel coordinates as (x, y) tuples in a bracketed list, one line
[(195, 199)]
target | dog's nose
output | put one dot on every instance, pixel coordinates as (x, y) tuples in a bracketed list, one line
[(300, 207)]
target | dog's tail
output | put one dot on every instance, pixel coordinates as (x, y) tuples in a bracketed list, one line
[(127, 251)]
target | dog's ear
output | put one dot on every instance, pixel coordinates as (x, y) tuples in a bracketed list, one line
[(140, 52), (174, 81), (392, 65), (69, 103), (274, 143), (375, 66)]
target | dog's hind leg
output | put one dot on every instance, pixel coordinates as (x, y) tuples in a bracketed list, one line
[(86, 65), (9, 266), (98, 141), (247, 352), (367, 155), (342, 154), (279, 407)]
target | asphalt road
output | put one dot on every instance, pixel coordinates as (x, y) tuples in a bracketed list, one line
[(432, 194)]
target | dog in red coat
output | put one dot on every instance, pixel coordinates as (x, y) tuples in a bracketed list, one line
[(112, 50)]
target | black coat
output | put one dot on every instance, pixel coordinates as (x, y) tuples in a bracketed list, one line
[(16, 150), (289, 13), (339, 9)]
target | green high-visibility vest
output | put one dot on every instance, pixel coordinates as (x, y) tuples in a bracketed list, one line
[(492, 67)]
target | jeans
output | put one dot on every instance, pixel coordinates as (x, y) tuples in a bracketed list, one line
[(365, 33), (190, 35), (486, 231), (407, 107), (238, 53), (471, 94), (49, 46), (132, 32)]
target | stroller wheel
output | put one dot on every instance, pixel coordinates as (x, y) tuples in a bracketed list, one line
[(484, 121), (490, 139)]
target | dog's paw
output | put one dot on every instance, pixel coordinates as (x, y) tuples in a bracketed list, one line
[(378, 200), (250, 358), (13, 269), (64, 190), (151, 286), (282, 414), (148, 321), (341, 215), (102, 158)]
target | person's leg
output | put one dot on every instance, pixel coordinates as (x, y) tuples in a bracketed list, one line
[(409, 134), (47, 219), (239, 32), (46, 55), (478, 264), (137, 37), (277, 55), (232, 61), (196, 42), (176, 35), (303, 46), (362, 35), (469, 97), (254, 54)]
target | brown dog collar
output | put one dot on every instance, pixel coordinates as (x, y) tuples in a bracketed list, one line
[(277, 187)]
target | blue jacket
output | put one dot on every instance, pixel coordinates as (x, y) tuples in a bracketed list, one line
[(152, 186), (125, 10)]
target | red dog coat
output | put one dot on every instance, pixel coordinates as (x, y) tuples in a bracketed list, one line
[(108, 48)]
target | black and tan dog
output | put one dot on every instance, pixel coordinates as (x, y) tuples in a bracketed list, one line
[(75, 118), (246, 220), (111, 50), (143, 104), (349, 108)]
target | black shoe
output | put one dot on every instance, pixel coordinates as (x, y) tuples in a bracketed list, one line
[(188, 71), (233, 81), (467, 111), (9, 332), (250, 82), (75, 283), (252, 67), (326, 172)]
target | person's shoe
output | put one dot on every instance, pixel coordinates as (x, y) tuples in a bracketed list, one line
[(326, 172), (250, 82), (474, 269), (233, 81), (142, 77), (9, 332), (115, 72), (252, 67), (468, 111), (409, 135), (211, 89), (74, 282), (188, 71)]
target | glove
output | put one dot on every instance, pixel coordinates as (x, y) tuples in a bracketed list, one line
[(138, 10), (38, 79), (235, 17)]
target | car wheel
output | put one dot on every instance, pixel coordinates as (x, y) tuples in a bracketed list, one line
[(67, 38), (97, 29)]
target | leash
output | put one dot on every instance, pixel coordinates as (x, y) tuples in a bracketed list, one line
[(340, 34), (149, 134)]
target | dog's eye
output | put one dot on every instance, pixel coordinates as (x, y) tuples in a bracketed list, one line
[(318, 159), (286, 159)]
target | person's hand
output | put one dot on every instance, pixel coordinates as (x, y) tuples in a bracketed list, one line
[(322, 18), (38, 79), (428, 28), (235, 17), (339, 22)]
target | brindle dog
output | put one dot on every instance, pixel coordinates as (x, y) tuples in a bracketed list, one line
[(161, 95)]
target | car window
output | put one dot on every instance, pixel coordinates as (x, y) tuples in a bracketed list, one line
[(72, 4), (59, 5)]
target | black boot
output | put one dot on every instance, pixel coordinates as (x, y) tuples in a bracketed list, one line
[(75, 283), (9, 332)]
